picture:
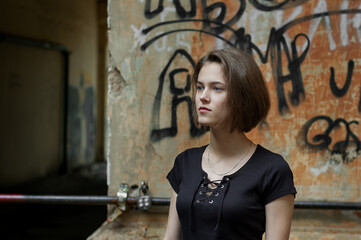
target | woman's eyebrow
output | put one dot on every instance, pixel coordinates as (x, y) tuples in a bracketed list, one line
[(217, 82), (212, 82)]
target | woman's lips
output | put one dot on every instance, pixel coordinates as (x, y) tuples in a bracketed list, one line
[(204, 109)]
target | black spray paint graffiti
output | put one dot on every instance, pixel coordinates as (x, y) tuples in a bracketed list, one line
[(340, 92), (160, 133), (323, 141), (272, 5), (239, 39), (182, 13)]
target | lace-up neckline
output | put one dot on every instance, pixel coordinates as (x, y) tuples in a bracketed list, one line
[(214, 197), (211, 192)]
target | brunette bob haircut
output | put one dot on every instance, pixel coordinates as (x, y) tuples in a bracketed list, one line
[(248, 97)]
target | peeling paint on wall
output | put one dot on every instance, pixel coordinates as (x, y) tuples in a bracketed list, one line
[(116, 83)]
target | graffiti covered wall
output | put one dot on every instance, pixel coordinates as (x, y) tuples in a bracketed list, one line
[(308, 50)]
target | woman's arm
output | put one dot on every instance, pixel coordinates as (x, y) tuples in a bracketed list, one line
[(279, 217), (173, 231)]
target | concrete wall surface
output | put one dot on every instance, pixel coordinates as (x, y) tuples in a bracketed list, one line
[(309, 52), (72, 24)]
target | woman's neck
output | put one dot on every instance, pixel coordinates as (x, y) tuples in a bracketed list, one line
[(226, 143)]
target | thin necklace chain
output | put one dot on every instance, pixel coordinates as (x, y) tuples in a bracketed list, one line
[(225, 173)]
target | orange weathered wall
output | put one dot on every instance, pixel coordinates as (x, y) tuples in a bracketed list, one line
[(309, 52)]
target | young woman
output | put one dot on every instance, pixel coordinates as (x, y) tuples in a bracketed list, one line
[(230, 188)]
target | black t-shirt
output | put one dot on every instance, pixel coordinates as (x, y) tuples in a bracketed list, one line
[(235, 209)]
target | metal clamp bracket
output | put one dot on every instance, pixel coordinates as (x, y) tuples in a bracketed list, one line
[(144, 200), (122, 195)]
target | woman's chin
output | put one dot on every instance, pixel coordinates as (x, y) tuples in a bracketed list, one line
[(205, 123)]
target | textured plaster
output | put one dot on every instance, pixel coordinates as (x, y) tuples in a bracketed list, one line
[(319, 173)]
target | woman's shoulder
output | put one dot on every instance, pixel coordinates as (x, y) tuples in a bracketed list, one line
[(189, 158), (269, 158), (190, 155), (192, 152)]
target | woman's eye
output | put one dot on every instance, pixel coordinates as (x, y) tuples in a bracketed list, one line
[(199, 87), (217, 88)]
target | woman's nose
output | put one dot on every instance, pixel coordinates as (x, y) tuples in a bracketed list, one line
[(204, 97)]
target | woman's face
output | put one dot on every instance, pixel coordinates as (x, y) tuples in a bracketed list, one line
[(211, 96)]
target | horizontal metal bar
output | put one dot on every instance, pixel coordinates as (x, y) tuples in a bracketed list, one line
[(156, 201), (328, 205), (51, 199)]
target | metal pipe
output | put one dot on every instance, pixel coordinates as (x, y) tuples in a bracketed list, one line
[(156, 201), (328, 205), (51, 199)]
